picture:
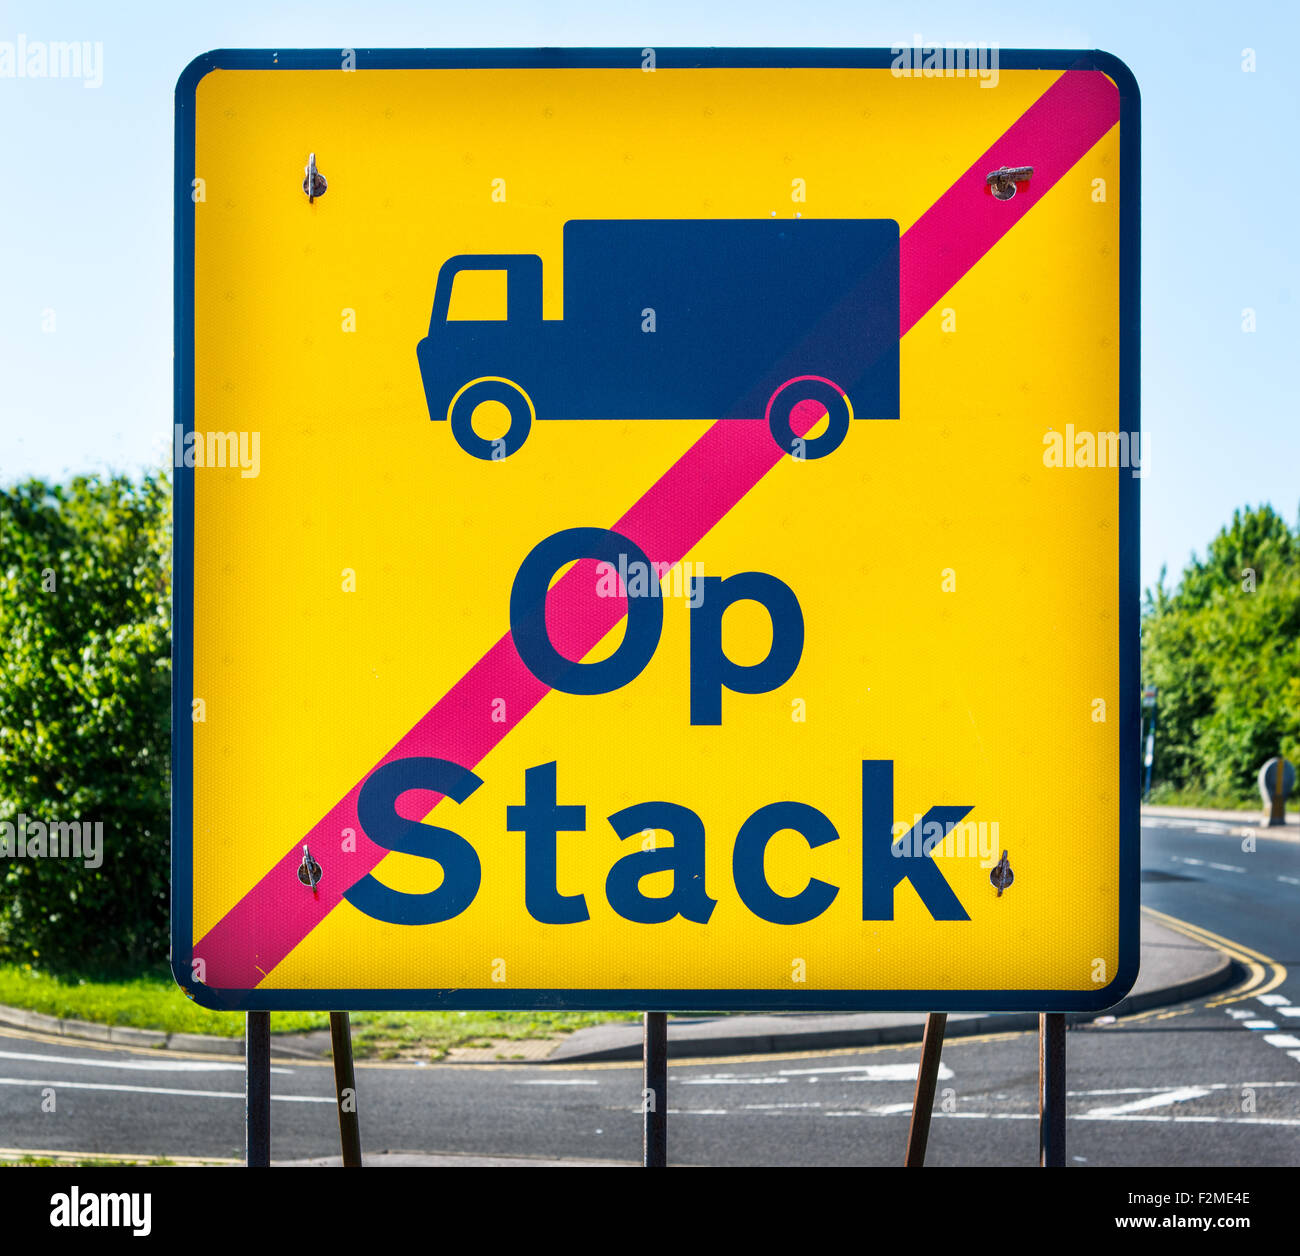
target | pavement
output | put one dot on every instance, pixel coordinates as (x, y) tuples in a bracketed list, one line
[(1173, 968), (1254, 820)]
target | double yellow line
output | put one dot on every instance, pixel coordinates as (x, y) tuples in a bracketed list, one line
[(1263, 974)]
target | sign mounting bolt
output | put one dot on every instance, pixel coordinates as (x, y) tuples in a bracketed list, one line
[(314, 184), (1002, 181), (1001, 876), (309, 872)]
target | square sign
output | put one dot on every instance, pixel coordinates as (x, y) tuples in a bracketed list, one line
[(656, 529)]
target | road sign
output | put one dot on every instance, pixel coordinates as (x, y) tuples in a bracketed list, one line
[(656, 529)]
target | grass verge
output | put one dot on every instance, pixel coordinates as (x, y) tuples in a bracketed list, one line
[(85, 1162), (153, 1000), (1201, 799)]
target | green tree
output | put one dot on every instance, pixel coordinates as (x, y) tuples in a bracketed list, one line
[(84, 715), (1224, 652)]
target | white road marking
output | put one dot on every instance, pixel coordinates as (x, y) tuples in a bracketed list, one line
[(1287, 1011), (844, 1073), (733, 1081), (1273, 1000), (1282, 1040), (1295, 1055), (1148, 1090), (558, 1081), (870, 1072), (1185, 1120), (1171, 1119), (1237, 1013), (1226, 867), (896, 1110), (1257, 1025), (143, 1066), (160, 1090), (1289, 880), (1163, 1099)]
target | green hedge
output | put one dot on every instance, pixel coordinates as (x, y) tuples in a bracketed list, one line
[(84, 716), (1224, 653)]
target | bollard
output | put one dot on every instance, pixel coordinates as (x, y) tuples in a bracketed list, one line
[(1276, 783)]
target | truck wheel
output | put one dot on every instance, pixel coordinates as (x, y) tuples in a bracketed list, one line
[(811, 389), (473, 395)]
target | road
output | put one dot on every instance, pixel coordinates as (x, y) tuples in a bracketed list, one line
[(1215, 1081)]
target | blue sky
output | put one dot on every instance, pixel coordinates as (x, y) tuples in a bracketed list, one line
[(85, 208)]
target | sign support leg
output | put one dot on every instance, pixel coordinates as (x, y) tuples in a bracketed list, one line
[(654, 1091), (1051, 1090), (345, 1089), (257, 1089), (927, 1074)]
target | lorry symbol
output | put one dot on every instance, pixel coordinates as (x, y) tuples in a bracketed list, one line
[(679, 319)]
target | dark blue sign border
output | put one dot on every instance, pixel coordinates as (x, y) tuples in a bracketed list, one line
[(500, 998)]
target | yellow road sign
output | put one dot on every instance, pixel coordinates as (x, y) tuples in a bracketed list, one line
[(656, 529)]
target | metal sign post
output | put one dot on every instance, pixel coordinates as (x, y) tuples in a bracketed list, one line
[(345, 1089), (1051, 1090), (927, 1074), (257, 1089), (654, 1091)]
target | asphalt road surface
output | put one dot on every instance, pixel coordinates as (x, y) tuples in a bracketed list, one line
[(1211, 1082)]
